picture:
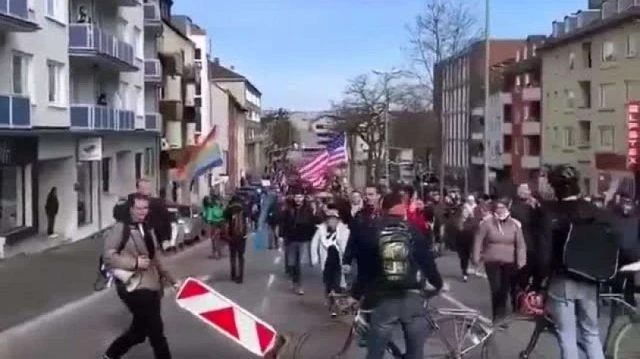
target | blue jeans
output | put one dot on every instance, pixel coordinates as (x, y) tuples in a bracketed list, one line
[(573, 306), (406, 311), (295, 252)]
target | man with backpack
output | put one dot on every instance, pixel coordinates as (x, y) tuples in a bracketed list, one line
[(396, 255), (580, 250), (236, 224)]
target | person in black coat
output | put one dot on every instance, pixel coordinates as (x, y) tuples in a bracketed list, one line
[(51, 208)]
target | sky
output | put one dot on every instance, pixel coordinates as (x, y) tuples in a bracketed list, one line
[(302, 53)]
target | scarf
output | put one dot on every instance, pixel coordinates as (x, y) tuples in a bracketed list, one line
[(501, 219), (330, 238)]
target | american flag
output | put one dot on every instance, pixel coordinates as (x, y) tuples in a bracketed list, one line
[(334, 154)]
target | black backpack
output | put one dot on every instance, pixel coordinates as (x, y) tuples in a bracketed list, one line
[(395, 250), (591, 251)]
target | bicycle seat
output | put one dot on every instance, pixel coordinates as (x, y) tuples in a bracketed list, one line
[(633, 267)]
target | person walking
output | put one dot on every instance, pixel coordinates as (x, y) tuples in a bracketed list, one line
[(51, 209), (327, 248), (130, 252), (236, 224), (499, 244), (214, 218)]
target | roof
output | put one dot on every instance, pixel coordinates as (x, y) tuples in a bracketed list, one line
[(177, 30), (477, 45), (593, 28), (233, 99), (220, 73)]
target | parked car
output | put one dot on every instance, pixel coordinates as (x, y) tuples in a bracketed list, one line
[(186, 226)]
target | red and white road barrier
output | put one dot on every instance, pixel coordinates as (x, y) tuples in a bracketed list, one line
[(227, 317)]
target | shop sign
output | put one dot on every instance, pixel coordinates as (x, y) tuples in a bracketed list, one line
[(633, 140), (90, 149)]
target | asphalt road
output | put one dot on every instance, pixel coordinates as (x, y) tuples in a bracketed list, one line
[(82, 328)]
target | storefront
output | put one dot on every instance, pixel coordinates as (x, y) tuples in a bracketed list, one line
[(18, 187)]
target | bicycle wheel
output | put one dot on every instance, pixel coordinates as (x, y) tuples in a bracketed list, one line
[(456, 336), (326, 341), (522, 337), (625, 344)]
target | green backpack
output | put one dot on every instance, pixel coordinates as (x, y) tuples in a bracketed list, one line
[(214, 214)]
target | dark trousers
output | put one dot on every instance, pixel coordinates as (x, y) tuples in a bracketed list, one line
[(237, 248), (529, 276), (407, 312), (144, 305), (293, 257), (51, 221), (463, 248), (502, 283), (332, 271)]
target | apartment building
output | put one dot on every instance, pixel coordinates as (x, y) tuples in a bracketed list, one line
[(589, 75), (178, 107), (245, 157), (513, 125), (458, 98), (73, 113)]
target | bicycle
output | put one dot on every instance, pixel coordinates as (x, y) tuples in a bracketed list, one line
[(621, 340), (469, 333)]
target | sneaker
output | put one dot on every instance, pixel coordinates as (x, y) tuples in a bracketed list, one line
[(334, 314), (465, 278), (300, 291)]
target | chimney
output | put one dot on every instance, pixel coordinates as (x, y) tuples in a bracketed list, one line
[(216, 60), (232, 67)]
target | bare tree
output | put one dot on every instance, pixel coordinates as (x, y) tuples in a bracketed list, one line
[(361, 114), (444, 28), (281, 134)]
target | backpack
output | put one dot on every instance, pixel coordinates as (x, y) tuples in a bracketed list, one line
[(395, 249), (591, 251), (237, 225)]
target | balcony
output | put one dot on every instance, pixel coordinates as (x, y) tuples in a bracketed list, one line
[(530, 128), (153, 122), (531, 94), (172, 90), (173, 135), (507, 128), (15, 112), (127, 3), (15, 17), (190, 95), (87, 42), (477, 136), (192, 73), (477, 160), (152, 71), (98, 117), (530, 162), (172, 111), (152, 19), (506, 159), (172, 63)]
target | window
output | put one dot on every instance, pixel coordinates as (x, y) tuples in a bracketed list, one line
[(534, 48), (138, 42), (632, 90), (198, 54), (11, 188), (606, 137), (139, 101), (632, 45), (518, 55), (198, 89), (569, 137), (106, 173), (138, 165), (606, 95), (585, 94), (556, 136), (608, 51), (56, 78), (22, 77), (586, 55), (585, 133), (518, 81), (54, 9), (149, 165), (569, 98), (572, 60)]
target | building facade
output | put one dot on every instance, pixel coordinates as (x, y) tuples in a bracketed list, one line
[(458, 97), (589, 75), (85, 132), (242, 153)]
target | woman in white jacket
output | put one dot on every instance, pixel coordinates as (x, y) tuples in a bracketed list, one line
[(327, 248)]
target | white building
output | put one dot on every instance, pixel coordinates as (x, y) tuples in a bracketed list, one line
[(73, 113)]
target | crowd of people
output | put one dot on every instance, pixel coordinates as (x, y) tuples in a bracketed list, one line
[(388, 239)]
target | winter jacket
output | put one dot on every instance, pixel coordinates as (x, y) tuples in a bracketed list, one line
[(500, 241), (321, 243)]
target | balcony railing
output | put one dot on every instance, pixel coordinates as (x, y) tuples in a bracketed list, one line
[(152, 71), (530, 128), (530, 162), (153, 121), (89, 40), (98, 117), (127, 2), (531, 94), (14, 16), (152, 19), (15, 112)]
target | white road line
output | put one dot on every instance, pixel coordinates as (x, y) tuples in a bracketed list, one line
[(277, 260), (461, 305), (271, 280)]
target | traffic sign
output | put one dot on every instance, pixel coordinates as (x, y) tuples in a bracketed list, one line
[(227, 317)]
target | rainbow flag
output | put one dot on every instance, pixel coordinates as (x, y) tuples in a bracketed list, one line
[(205, 156)]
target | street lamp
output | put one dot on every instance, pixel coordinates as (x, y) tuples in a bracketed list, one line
[(387, 77), (487, 64)]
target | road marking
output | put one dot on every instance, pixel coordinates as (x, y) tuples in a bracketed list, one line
[(277, 260), (461, 305)]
